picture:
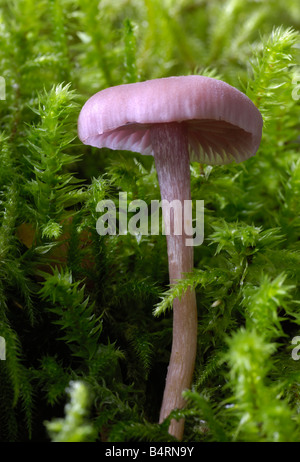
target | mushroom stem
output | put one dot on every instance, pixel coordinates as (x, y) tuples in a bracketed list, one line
[(171, 155)]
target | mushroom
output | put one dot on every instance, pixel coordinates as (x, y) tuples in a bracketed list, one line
[(177, 120)]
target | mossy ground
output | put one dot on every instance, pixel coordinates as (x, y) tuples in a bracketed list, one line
[(76, 309)]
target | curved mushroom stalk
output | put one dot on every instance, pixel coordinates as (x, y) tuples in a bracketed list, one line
[(170, 146)]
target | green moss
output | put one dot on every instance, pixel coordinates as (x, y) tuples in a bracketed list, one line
[(76, 307)]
